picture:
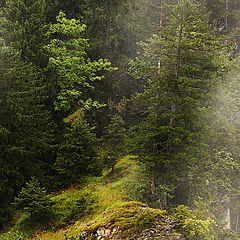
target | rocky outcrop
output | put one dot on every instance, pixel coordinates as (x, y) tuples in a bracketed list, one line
[(162, 231), (149, 224)]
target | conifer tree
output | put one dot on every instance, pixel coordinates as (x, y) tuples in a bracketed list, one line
[(78, 154), (24, 28), (33, 199), (113, 146), (27, 131), (179, 64), (224, 14)]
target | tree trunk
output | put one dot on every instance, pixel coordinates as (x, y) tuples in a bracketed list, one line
[(226, 14), (173, 110), (154, 187), (237, 222), (162, 15), (161, 21), (2, 3), (226, 213)]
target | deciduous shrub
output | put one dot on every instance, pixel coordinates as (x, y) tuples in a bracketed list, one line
[(193, 223)]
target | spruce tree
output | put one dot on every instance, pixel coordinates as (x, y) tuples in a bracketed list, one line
[(27, 130), (113, 146), (24, 28), (180, 64), (33, 199), (78, 154)]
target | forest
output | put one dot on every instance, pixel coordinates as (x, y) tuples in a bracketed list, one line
[(120, 119)]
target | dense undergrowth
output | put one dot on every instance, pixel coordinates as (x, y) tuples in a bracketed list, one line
[(84, 203), (112, 201)]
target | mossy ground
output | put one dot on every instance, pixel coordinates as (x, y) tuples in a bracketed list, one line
[(102, 199), (129, 218)]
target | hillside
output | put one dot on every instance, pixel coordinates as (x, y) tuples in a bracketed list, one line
[(119, 119), (102, 209)]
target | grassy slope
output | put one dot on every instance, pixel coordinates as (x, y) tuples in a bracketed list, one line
[(106, 197)]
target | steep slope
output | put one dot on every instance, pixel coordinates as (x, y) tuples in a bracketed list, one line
[(104, 208)]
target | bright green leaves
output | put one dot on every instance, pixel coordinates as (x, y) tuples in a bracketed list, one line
[(65, 26), (195, 224), (76, 72)]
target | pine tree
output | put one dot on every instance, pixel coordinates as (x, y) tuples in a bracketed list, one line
[(33, 199), (24, 28), (27, 130), (113, 146), (78, 154), (179, 64), (33, 134), (213, 180), (224, 14)]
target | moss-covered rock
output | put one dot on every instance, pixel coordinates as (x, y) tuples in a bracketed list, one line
[(102, 209), (132, 221)]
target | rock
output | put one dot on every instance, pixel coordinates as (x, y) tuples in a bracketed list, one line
[(134, 221), (82, 236), (163, 230)]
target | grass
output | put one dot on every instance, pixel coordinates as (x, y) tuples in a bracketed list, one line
[(13, 236), (110, 198)]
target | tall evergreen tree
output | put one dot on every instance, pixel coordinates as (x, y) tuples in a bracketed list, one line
[(113, 146), (213, 181), (24, 28), (78, 154), (179, 64), (27, 138), (224, 13)]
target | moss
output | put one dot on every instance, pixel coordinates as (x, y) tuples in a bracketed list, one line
[(130, 179), (69, 208), (101, 202), (130, 219), (75, 116), (13, 236)]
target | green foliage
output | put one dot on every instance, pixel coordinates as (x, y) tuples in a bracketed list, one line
[(78, 154), (104, 202), (215, 181), (69, 60), (13, 236), (224, 14), (24, 28), (228, 235), (27, 136), (113, 146), (34, 200), (184, 120), (69, 208), (194, 224), (214, 178), (179, 65), (131, 179)]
